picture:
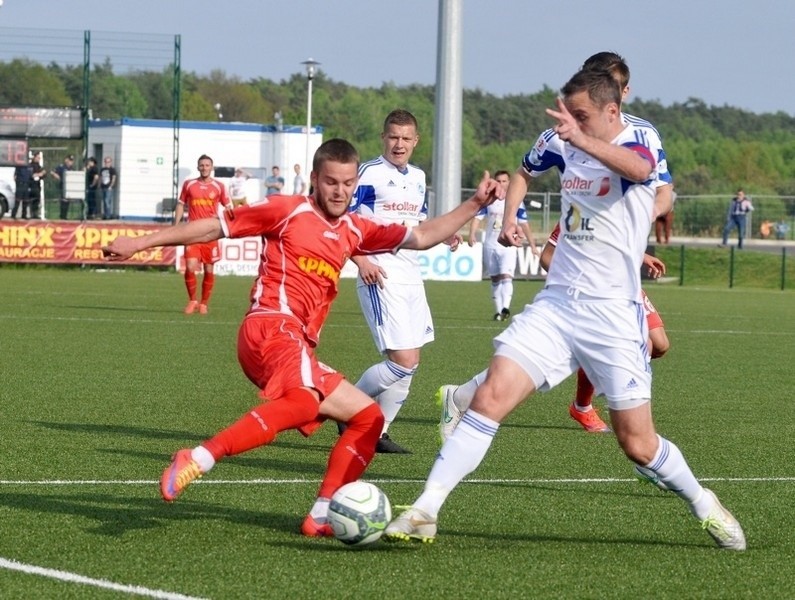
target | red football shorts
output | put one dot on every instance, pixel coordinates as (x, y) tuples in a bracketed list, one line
[(207, 253), (276, 357)]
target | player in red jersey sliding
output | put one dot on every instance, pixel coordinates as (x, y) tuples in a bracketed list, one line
[(306, 241), (202, 196)]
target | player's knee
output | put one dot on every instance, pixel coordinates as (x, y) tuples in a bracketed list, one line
[(406, 359), (638, 448), (369, 418)]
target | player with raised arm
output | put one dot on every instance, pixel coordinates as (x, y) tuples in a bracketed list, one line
[(306, 241), (450, 396), (201, 196), (589, 314)]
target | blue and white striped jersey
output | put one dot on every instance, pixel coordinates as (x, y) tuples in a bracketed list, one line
[(390, 194)]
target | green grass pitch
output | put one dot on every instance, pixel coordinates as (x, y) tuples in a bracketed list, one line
[(103, 378)]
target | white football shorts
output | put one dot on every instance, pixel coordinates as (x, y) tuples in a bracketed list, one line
[(398, 315), (499, 259), (563, 330)]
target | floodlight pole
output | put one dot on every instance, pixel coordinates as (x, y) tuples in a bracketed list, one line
[(310, 66)]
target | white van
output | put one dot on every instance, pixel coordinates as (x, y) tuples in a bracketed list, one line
[(7, 187)]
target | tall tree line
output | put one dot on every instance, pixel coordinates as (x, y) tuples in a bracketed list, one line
[(711, 149)]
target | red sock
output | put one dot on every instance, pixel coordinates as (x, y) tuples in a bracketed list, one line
[(207, 287), (190, 283), (585, 390), (353, 451), (259, 426)]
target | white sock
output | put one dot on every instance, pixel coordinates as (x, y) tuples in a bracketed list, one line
[(203, 458), (459, 456), (463, 394), (381, 376), (670, 466), (319, 510), (506, 293), (391, 400), (495, 296)]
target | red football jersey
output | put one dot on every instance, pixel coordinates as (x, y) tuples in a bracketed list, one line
[(203, 197), (303, 253)]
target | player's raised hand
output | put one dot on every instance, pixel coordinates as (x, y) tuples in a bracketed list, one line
[(567, 128), (486, 192)]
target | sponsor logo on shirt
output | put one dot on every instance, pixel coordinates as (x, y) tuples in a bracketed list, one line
[(401, 207), (578, 228), (318, 266), (586, 187), (331, 235)]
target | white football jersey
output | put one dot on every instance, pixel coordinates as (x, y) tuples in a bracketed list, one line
[(605, 219), (389, 194), (494, 214)]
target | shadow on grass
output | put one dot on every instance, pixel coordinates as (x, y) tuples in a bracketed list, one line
[(111, 515), (185, 437)]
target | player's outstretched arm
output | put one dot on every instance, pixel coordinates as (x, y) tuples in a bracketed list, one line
[(433, 231), (195, 232), (511, 234)]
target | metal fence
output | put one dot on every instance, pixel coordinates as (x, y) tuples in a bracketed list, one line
[(694, 216)]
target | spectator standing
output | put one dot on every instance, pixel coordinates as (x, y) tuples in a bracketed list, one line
[(107, 182), (237, 187), (738, 210), (37, 175), (60, 175), (23, 175), (92, 185), (299, 185), (274, 183), (782, 229), (664, 224)]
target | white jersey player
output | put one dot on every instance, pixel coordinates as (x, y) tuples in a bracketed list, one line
[(588, 315), (499, 261), (390, 287)]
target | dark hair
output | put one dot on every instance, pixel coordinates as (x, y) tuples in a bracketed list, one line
[(501, 172), (204, 157), (611, 62), (602, 88), (400, 117), (335, 150)]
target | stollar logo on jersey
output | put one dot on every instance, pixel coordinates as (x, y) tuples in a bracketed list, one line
[(578, 228), (586, 187), (310, 264)]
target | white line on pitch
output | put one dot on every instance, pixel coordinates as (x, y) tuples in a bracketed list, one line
[(101, 583), (100, 482)]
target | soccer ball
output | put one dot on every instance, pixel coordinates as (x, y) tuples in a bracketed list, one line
[(359, 512)]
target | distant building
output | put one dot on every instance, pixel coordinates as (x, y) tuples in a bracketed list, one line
[(142, 151)]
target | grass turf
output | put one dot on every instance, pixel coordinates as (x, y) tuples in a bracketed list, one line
[(104, 378)]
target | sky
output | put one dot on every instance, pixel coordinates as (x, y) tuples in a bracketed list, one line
[(731, 53)]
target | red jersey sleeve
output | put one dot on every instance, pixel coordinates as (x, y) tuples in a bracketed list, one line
[(553, 237), (379, 237)]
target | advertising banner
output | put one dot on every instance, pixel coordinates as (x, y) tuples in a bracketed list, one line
[(65, 242)]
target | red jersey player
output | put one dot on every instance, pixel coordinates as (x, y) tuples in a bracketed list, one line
[(306, 241), (581, 409), (202, 197)]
